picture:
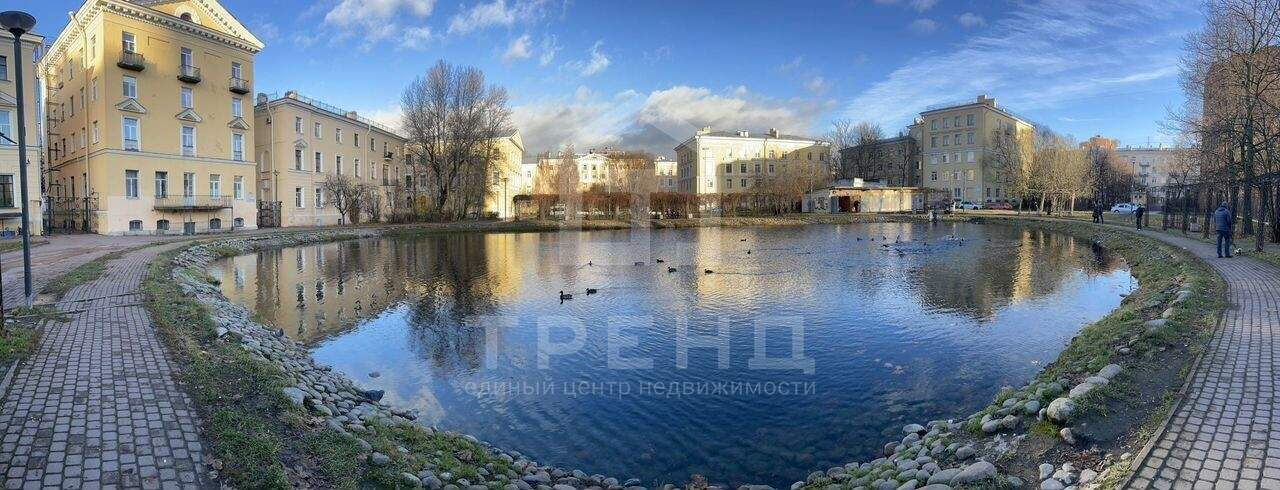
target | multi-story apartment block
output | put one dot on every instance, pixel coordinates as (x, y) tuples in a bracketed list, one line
[(593, 168), (1153, 167), (507, 175), (894, 162), (953, 140), (10, 188), (147, 118), (724, 162), (665, 171), (302, 142)]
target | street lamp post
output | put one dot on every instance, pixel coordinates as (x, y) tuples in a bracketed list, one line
[(19, 23)]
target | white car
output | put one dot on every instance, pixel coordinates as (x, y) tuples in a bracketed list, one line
[(968, 206), (1124, 208)]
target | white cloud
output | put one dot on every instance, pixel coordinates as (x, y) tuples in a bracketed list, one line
[(518, 50), (416, 37), (1038, 56), (659, 120), (549, 48), (970, 20), (376, 20), (923, 26), (818, 85), (496, 13), (594, 64), (390, 115), (923, 5)]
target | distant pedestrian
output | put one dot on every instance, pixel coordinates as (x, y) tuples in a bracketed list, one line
[(1223, 222), (1097, 213), (1137, 213)]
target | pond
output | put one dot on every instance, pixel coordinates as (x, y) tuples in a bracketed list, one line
[(747, 355)]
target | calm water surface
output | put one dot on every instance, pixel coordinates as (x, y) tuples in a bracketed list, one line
[(870, 337)]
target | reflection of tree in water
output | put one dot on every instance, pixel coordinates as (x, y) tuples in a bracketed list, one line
[(450, 283), (980, 277)]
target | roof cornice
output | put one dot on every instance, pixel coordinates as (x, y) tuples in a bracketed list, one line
[(92, 9)]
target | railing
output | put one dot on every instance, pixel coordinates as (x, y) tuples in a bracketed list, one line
[(193, 202), (238, 85), (331, 109), (130, 60), (189, 74)]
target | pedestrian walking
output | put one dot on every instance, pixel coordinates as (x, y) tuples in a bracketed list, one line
[(1137, 213), (1223, 222), (1097, 213)]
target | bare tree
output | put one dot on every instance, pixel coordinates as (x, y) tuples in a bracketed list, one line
[(454, 119), (346, 195), (1010, 160), (567, 182), (860, 158)]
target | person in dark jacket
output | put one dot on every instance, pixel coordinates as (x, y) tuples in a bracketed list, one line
[(1137, 213), (1097, 213), (1223, 222)]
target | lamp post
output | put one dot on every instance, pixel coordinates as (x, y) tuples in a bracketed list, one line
[(19, 23)]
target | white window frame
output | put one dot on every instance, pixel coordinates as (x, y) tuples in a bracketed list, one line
[(124, 134), (129, 87), (186, 57), (215, 185), (299, 198), (6, 126), (237, 187), (130, 184), (318, 197), (317, 162), (182, 140), (297, 124), (237, 70), (237, 107), (188, 98), (128, 42), (318, 130), (237, 147)]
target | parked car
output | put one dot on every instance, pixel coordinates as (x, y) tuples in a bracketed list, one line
[(1124, 208), (966, 205), (1003, 206)]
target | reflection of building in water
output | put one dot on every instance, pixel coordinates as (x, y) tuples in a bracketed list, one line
[(975, 280), (313, 291)]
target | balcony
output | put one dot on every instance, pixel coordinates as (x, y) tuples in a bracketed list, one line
[(130, 60), (388, 155), (192, 203), (189, 74), (239, 85)]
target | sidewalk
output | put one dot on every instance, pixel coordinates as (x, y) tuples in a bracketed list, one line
[(1224, 433), (97, 404)]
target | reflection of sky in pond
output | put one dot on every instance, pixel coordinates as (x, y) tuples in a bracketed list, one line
[(927, 328)]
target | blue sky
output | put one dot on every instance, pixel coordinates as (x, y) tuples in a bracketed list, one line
[(645, 73)]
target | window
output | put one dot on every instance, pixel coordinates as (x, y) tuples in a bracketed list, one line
[(93, 90), (957, 124), (337, 162), (728, 183), (297, 197), (946, 123), (319, 162), (73, 105), (135, 225), (6, 190), (933, 176), (237, 107), (969, 119), (297, 159), (944, 158), (744, 183), (237, 147), (933, 142), (237, 187), (131, 134), (4, 67), (357, 167), (728, 168), (356, 137), (131, 184), (188, 141), (130, 89), (297, 125), (970, 156), (742, 168), (770, 167), (162, 184), (319, 197), (97, 136), (187, 58), (946, 141), (128, 42), (188, 184), (162, 225), (969, 174), (933, 124), (337, 134), (215, 224), (317, 131), (188, 98), (6, 126), (238, 223), (237, 70), (970, 138), (215, 185)]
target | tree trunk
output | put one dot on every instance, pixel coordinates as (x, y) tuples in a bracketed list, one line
[(1259, 239)]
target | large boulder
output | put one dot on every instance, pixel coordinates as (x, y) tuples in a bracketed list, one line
[(1060, 410), (978, 471)]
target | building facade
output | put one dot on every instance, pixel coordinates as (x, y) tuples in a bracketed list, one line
[(507, 176), (953, 140), (148, 126), (723, 162), (10, 187), (302, 142), (666, 173), (894, 162), (1153, 167)]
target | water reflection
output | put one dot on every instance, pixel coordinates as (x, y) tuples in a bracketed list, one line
[(900, 323)]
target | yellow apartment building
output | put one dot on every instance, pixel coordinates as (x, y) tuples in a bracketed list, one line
[(665, 172), (507, 177), (147, 122), (953, 139), (10, 187), (724, 162), (301, 142)]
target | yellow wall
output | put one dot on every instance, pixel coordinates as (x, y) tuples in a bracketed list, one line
[(701, 160), (9, 152), (939, 152), (216, 41)]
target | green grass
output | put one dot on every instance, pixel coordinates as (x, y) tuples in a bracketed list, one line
[(17, 342)]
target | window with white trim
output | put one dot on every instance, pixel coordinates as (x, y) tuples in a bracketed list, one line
[(188, 141), (131, 184), (130, 134), (129, 87)]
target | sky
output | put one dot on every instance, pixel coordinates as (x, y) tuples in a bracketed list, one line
[(646, 74)]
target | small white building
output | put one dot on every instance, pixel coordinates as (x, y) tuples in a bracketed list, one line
[(859, 196)]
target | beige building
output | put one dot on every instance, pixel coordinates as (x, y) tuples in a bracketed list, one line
[(594, 172), (712, 162), (667, 178), (1153, 168), (148, 126), (507, 177), (301, 142), (953, 139), (10, 187)]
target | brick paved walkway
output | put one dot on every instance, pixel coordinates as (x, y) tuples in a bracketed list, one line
[(96, 405), (1225, 433)]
